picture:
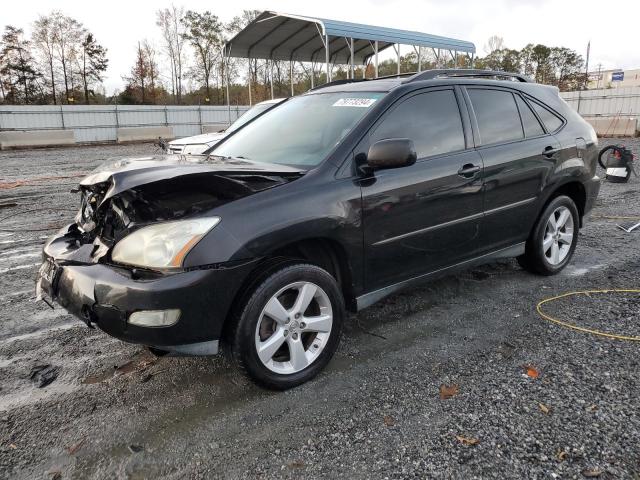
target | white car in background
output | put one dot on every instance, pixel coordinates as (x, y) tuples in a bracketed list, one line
[(200, 143)]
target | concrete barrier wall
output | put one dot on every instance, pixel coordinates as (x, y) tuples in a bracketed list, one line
[(100, 123), (143, 134), (214, 128), (614, 126), (30, 139), (611, 111)]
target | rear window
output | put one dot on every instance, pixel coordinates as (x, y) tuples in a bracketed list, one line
[(550, 120), (497, 116)]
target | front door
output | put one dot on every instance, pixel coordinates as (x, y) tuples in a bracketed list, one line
[(421, 218)]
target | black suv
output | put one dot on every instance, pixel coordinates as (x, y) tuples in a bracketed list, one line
[(329, 202)]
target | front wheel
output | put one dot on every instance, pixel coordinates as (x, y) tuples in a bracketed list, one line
[(288, 326), (553, 239)]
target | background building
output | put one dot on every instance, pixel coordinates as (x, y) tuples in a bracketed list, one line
[(614, 78)]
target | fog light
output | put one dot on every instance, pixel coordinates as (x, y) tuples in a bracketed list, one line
[(154, 318)]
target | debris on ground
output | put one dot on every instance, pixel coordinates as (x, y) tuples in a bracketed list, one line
[(531, 371), (448, 391), (470, 441), (44, 374)]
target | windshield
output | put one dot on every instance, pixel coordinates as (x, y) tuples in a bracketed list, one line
[(249, 115), (300, 132)]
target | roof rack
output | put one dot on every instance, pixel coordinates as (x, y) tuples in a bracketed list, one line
[(357, 80), (433, 75), (468, 73)]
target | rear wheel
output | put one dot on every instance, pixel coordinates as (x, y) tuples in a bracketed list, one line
[(553, 239), (288, 326)]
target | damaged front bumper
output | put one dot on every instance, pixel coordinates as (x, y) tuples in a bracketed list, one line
[(106, 295)]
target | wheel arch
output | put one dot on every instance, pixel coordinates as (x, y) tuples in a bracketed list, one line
[(326, 253), (573, 189)]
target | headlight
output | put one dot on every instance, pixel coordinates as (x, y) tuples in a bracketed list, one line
[(163, 245), (194, 149)]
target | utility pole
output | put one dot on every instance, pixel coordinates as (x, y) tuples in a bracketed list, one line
[(586, 76)]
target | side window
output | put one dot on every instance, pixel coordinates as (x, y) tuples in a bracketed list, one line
[(550, 120), (532, 127), (432, 120), (497, 115)]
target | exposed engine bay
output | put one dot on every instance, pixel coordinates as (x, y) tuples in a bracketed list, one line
[(171, 199)]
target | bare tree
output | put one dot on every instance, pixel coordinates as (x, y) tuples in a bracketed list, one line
[(68, 35), (44, 40), (152, 68), (172, 28), (238, 23), (137, 81), (494, 43)]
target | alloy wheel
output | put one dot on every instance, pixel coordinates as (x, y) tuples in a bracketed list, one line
[(294, 328), (558, 236)]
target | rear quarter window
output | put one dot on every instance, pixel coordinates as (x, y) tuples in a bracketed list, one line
[(532, 127), (550, 119)]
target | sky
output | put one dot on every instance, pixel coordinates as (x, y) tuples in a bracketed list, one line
[(120, 24)]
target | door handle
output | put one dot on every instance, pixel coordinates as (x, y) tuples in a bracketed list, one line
[(468, 170), (550, 152)]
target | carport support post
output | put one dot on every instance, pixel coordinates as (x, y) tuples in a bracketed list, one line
[(271, 76), (326, 51), (419, 59), (249, 82), (226, 79), (313, 74), (375, 48), (291, 75), (398, 52), (353, 72)]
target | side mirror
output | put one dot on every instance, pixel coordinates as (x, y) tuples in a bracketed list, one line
[(391, 153)]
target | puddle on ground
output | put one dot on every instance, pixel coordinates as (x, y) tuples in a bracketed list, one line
[(576, 271)]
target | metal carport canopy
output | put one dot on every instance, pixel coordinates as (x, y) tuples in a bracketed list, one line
[(281, 36)]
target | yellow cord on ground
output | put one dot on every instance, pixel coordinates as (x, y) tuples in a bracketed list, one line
[(582, 329)]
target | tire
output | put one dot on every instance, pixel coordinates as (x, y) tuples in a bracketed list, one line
[(547, 250), (295, 342)]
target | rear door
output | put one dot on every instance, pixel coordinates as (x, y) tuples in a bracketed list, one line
[(518, 157), (420, 218)]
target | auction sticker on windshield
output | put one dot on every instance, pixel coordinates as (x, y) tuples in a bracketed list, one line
[(354, 102)]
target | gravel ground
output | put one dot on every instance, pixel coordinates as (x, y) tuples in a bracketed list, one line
[(460, 378)]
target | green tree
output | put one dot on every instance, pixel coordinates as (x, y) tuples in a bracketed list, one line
[(94, 63), (204, 33), (18, 73)]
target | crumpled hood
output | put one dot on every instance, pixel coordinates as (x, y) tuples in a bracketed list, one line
[(127, 173)]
